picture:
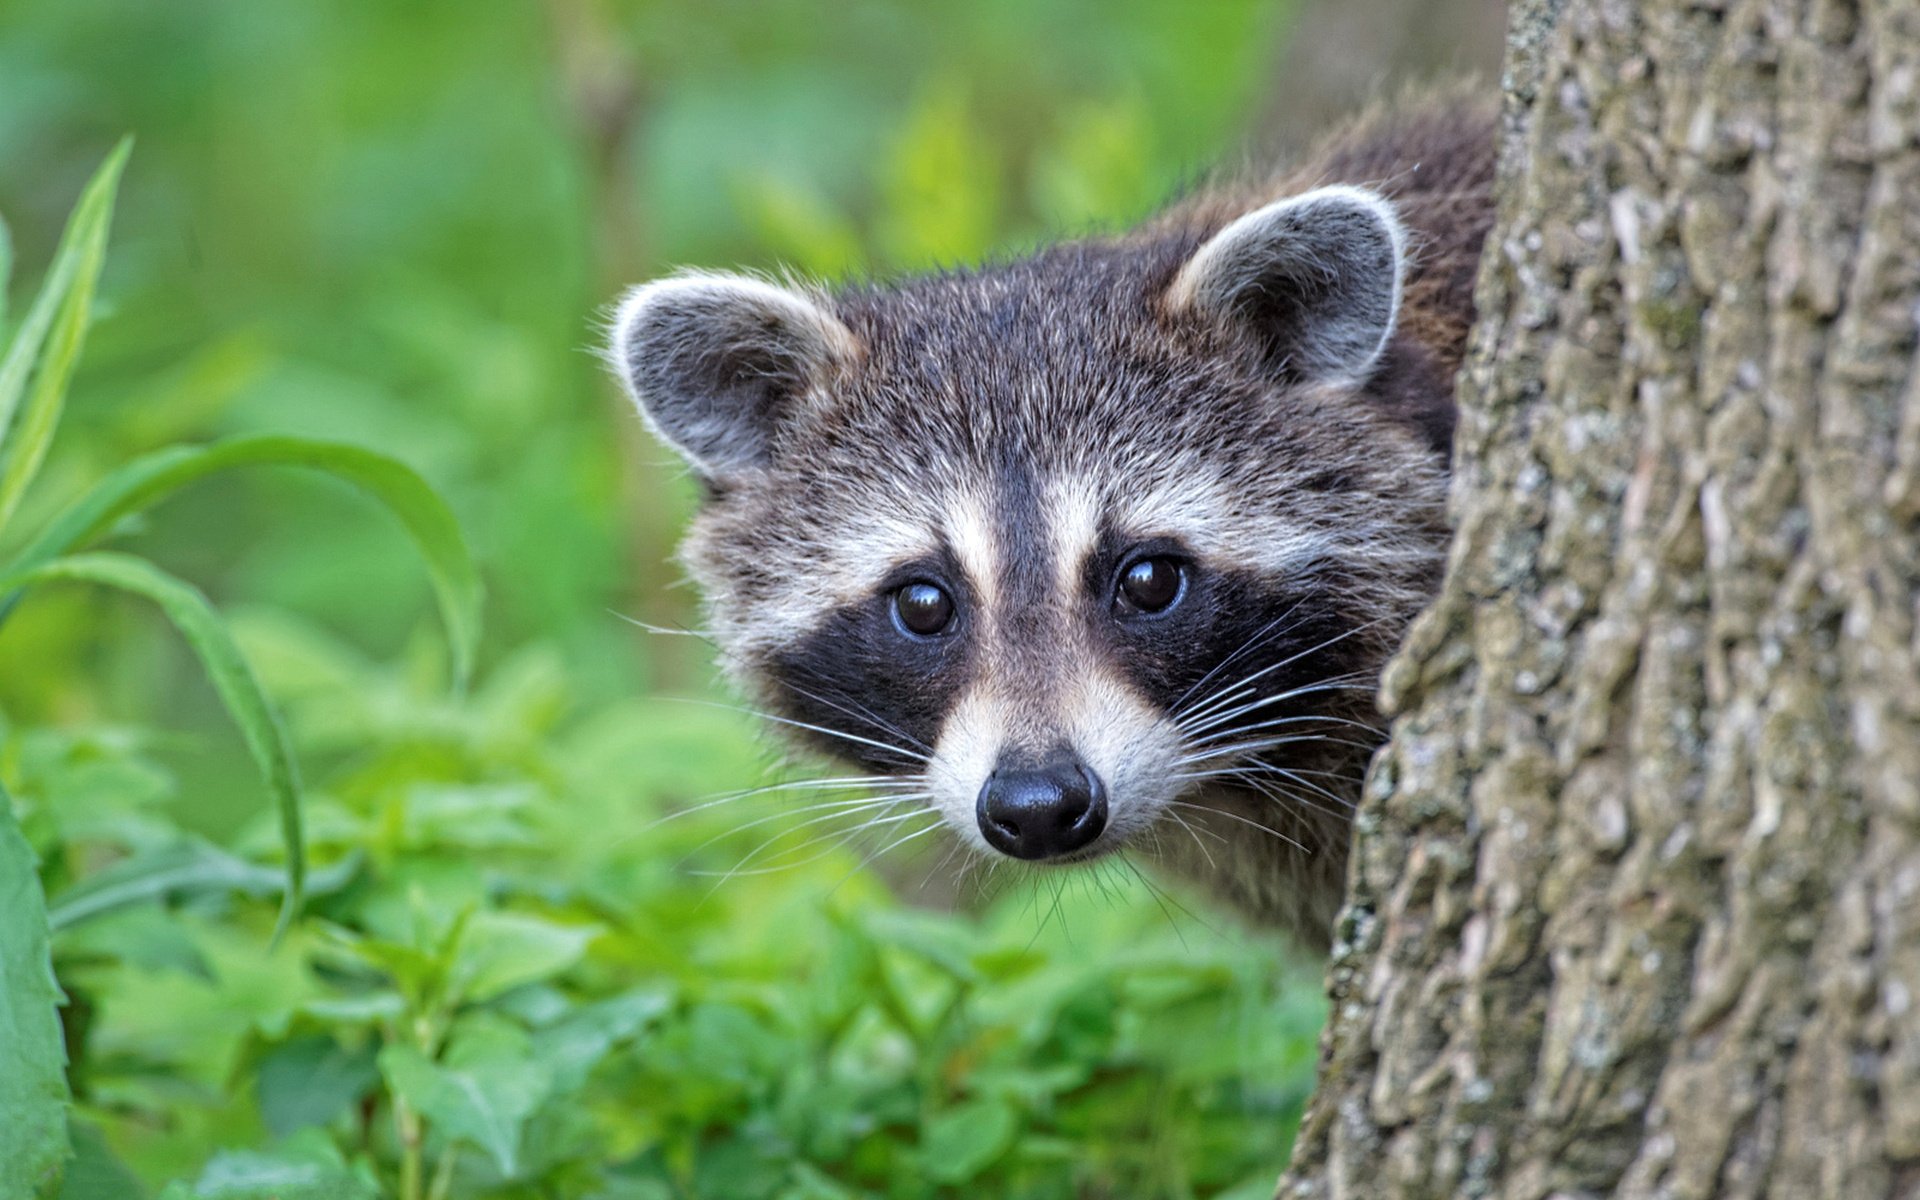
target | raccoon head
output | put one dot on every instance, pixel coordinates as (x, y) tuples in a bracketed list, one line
[(1089, 546)]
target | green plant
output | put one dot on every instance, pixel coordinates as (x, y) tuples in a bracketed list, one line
[(34, 375), (521, 880)]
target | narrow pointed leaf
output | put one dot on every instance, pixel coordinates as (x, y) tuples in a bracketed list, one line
[(190, 867), (226, 666), (33, 1058), (428, 521), (51, 336), (6, 269)]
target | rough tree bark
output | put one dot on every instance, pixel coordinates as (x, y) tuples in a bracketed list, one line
[(1635, 910)]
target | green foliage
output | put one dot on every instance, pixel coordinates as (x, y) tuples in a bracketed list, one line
[(555, 941), (33, 1080), (40, 358), (426, 518), (232, 677)]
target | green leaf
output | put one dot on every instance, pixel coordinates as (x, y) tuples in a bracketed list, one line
[(310, 1080), (482, 1095), (57, 323), (33, 1058), (6, 269), (190, 865), (961, 1142), (412, 501), (577, 1042), (232, 677), (501, 951), (95, 1172), (304, 1167)]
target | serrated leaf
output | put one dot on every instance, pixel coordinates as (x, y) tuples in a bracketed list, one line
[(195, 618), (47, 345), (33, 1057), (505, 950), (425, 517), (482, 1095)]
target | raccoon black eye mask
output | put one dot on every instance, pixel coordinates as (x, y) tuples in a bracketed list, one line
[(1099, 550)]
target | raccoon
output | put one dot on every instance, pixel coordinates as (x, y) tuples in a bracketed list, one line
[(1100, 549)]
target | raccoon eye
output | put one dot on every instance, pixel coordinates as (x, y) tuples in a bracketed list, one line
[(1150, 585), (922, 609)]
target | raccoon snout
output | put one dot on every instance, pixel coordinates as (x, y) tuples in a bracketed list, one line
[(1044, 812)]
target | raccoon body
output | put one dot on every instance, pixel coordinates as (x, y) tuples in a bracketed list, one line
[(1101, 549)]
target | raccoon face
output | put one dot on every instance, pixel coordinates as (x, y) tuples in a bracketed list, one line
[(1088, 546)]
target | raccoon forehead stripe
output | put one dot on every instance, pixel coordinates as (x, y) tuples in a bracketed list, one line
[(1073, 518), (1210, 516), (970, 535)]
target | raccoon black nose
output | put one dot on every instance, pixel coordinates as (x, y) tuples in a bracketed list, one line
[(1043, 812)]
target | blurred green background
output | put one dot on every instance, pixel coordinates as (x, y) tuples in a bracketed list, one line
[(397, 224)]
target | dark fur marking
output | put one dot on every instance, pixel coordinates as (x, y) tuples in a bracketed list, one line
[(998, 383), (859, 674)]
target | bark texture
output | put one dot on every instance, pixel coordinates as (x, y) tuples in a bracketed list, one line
[(1635, 902)]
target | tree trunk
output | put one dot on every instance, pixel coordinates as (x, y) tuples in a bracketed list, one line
[(1635, 902)]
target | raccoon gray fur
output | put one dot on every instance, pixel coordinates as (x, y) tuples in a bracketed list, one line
[(1103, 548)]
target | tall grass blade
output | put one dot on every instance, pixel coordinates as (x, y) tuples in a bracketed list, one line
[(6, 270), (51, 336), (426, 518), (226, 666)]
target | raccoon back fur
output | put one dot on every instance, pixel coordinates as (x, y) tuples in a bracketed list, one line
[(1103, 548)]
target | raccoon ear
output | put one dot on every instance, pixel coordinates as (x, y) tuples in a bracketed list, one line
[(715, 361), (1315, 278)]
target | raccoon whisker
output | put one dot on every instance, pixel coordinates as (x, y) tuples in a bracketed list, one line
[(938, 822), (1243, 689), (1163, 898), (1292, 658), (849, 782), (1285, 797), (1249, 777), (1208, 854), (827, 730), (1229, 724), (941, 866), (1189, 726), (1101, 871), (1232, 748), (1059, 891), (826, 811), (835, 839), (1218, 735), (1266, 772), (963, 878), (876, 809), (863, 714), (1260, 778), (664, 630), (1300, 779), (1245, 646), (1217, 812)]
